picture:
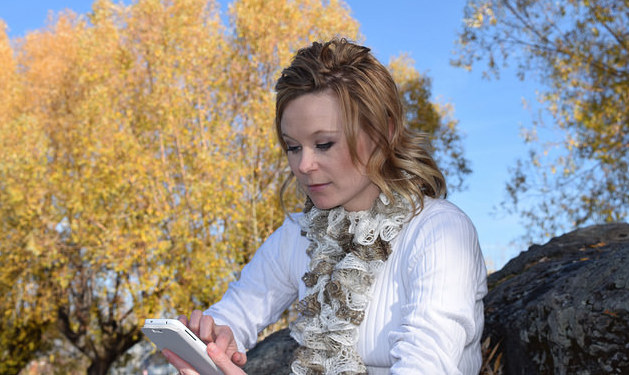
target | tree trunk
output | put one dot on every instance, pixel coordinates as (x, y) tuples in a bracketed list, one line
[(100, 366)]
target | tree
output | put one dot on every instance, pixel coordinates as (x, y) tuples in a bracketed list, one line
[(138, 167), (579, 50), (138, 172), (21, 333), (433, 119), (266, 35)]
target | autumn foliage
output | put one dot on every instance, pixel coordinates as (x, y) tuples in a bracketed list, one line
[(138, 165), (579, 51)]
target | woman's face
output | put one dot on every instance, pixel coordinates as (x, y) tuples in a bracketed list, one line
[(318, 154)]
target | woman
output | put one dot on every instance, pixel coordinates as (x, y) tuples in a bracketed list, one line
[(389, 274)]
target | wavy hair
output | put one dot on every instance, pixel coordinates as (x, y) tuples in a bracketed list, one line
[(370, 101)]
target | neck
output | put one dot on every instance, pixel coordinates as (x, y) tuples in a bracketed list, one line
[(370, 194)]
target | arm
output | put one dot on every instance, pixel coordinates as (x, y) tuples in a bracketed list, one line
[(442, 313), (267, 286)]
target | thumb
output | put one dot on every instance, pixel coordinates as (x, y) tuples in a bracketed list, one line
[(223, 361)]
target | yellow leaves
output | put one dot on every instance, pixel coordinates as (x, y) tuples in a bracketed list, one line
[(579, 49), (402, 68), (50, 56), (273, 39), (138, 151), (479, 15), (572, 143), (7, 70)]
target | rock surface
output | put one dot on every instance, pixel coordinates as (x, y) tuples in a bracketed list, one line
[(560, 308), (273, 355), (563, 308)]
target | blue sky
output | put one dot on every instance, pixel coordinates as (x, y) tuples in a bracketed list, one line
[(490, 113)]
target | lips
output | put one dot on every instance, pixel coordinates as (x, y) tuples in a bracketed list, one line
[(317, 187)]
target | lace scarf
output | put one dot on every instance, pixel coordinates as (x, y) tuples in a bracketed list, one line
[(347, 250)]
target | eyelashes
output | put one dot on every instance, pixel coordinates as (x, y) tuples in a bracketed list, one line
[(319, 146), (324, 146)]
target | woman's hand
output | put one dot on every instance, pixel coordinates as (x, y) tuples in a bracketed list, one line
[(219, 357), (204, 327), (222, 347)]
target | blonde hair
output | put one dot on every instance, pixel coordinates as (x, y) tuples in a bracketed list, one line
[(369, 98)]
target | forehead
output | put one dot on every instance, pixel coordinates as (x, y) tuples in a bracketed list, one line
[(313, 112)]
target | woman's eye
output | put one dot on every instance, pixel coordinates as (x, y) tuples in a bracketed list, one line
[(292, 148), (325, 146)]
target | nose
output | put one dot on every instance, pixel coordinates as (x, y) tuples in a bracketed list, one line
[(308, 161)]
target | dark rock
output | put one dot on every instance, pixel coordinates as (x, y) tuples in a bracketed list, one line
[(273, 355), (563, 308)]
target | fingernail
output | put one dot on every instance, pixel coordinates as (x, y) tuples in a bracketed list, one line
[(211, 347)]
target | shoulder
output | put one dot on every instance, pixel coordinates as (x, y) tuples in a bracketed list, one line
[(440, 213), (284, 248), (287, 236), (291, 226), (441, 226)]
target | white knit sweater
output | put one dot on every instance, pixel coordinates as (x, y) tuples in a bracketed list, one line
[(426, 312)]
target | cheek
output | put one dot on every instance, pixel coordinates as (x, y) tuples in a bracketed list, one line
[(292, 162), (364, 148)]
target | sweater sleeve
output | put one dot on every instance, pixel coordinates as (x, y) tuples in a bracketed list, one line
[(443, 311), (267, 286)]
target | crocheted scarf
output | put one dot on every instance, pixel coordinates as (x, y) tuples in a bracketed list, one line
[(347, 250)]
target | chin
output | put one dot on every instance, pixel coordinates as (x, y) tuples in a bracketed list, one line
[(323, 205)]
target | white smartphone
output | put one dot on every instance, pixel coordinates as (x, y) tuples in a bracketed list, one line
[(173, 335)]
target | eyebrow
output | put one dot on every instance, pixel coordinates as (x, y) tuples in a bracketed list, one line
[(318, 132)]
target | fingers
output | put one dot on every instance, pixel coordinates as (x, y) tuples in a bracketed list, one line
[(224, 338), (209, 332), (240, 359), (182, 366), (207, 329), (201, 325), (223, 361), (225, 341), (195, 321), (183, 319)]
